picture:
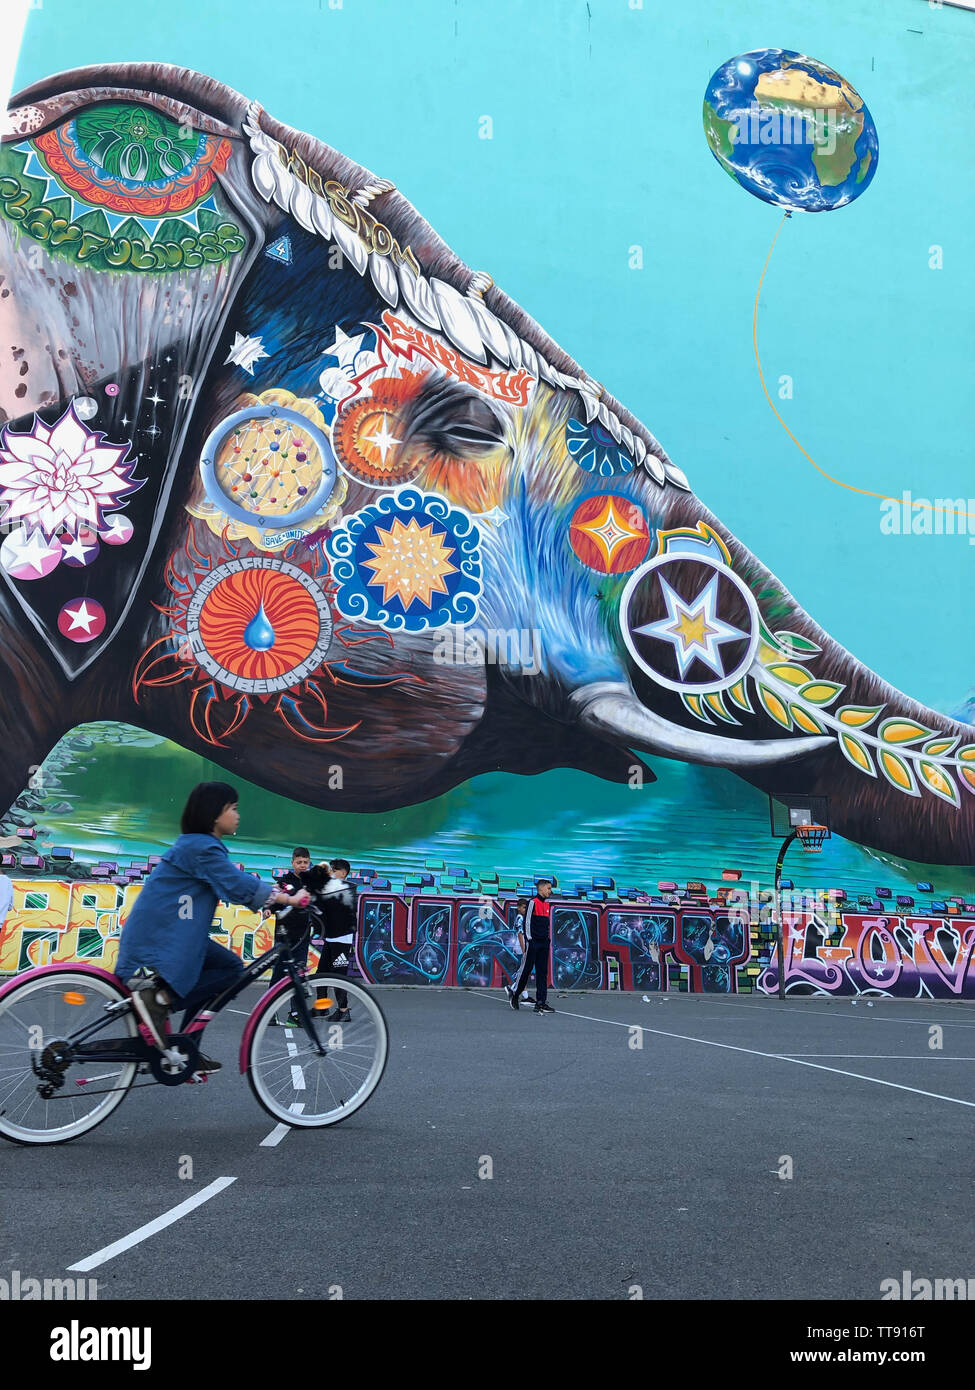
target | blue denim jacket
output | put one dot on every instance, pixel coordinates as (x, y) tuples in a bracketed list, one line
[(169, 927)]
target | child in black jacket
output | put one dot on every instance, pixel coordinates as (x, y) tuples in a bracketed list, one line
[(297, 923), (337, 902)]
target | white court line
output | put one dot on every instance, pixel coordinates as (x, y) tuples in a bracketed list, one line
[(298, 1078), (151, 1227), (275, 1137), (883, 1056), (837, 1013), (279, 1131), (753, 1052)]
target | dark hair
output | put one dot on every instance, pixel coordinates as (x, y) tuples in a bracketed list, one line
[(341, 864), (301, 853), (543, 880), (203, 807), (522, 902)]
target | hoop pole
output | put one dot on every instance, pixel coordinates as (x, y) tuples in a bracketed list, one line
[(780, 944)]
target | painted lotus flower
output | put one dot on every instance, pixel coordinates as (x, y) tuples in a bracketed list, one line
[(62, 475)]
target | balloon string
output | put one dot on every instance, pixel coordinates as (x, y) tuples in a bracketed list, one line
[(864, 492)]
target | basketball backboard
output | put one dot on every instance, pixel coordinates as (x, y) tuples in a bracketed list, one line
[(790, 809)]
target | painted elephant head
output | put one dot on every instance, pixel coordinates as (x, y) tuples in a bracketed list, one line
[(286, 481)]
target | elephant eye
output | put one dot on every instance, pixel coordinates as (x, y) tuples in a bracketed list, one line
[(449, 420)]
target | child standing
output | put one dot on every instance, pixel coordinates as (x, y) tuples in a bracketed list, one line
[(537, 937), (297, 923), (337, 900)]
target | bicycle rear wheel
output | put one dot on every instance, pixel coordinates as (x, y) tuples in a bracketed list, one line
[(37, 1019), (297, 1084)]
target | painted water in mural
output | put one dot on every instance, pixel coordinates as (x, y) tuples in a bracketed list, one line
[(691, 823)]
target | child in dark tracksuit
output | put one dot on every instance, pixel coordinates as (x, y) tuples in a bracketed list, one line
[(297, 923), (337, 901), (538, 944)]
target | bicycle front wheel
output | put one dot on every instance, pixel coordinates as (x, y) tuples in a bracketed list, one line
[(305, 1087), (45, 1097)]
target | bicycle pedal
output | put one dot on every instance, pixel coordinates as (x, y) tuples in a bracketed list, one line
[(198, 1078)]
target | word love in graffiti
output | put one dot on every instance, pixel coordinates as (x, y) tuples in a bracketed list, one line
[(407, 341), (905, 957), (115, 252)]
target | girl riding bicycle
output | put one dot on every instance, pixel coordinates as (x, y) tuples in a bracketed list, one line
[(166, 955)]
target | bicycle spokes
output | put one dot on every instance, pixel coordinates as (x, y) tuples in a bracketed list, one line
[(53, 1087), (324, 1068)]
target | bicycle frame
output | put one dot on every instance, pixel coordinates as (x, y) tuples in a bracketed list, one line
[(136, 1050)]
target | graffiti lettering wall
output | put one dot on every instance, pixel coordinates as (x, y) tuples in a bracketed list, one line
[(469, 942), (903, 957), (51, 922)]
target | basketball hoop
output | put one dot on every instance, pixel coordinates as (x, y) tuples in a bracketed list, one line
[(811, 837)]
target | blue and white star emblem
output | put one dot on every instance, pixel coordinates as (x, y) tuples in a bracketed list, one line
[(694, 628)]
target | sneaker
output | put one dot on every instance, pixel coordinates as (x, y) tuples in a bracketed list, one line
[(292, 1021), (527, 999), (274, 1022), (206, 1064), (538, 1009), (545, 1008), (149, 1010), (512, 997), (343, 1016)]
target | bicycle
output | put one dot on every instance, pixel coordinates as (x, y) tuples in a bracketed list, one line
[(49, 1018)]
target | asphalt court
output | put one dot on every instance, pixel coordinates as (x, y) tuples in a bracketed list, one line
[(614, 1146)]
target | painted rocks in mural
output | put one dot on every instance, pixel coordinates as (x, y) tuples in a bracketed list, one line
[(609, 534), (790, 130), (410, 561)]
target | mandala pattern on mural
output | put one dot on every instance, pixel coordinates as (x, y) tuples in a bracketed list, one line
[(121, 187), (411, 561), (268, 472), (609, 534), (594, 449), (248, 628)]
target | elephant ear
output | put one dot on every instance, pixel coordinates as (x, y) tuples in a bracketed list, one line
[(126, 230)]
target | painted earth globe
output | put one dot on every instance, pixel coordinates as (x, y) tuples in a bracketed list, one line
[(790, 130)]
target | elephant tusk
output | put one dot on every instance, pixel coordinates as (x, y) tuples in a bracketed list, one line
[(611, 710)]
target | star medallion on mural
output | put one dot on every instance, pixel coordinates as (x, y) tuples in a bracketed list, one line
[(694, 628), (411, 562)]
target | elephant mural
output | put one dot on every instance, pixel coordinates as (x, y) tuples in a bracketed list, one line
[(268, 445)]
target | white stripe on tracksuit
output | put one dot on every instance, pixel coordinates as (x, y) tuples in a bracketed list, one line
[(520, 927)]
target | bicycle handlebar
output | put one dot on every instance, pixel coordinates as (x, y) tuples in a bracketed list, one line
[(308, 906)]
